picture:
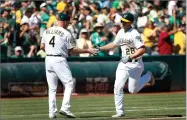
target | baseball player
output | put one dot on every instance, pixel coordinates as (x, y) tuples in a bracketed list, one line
[(131, 66), (57, 43)]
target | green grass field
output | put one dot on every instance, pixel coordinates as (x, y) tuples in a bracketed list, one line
[(158, 106)]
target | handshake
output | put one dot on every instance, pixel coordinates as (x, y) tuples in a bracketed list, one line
[(94, 50)]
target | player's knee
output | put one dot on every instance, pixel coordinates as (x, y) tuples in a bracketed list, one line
[(70, 84), (118, 89), (133, 90), (52, 90)]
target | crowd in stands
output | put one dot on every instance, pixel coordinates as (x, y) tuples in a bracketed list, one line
[(162, 24)]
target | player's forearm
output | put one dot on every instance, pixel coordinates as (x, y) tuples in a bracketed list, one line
[(42, 46), (78, 50), (138, 53), (108, 47)]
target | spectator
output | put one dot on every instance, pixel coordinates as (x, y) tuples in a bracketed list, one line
[(28, 40), (153, 16), (26, 17), (94, 8), (61, 6), (86, 14), (98, 37), (180, 40), (18, 13), (8, 24), (88, 18), (142, 20), (115, 4), (83, 42), (171, 6), (4, 46), (24, 6), (52, 20), (107, 3), (118, 15), (35, 20), (155, 50), (18, 53), (51, 5), (44, 18), (103, 17), (73, 28), (164, 42), (148, 36)]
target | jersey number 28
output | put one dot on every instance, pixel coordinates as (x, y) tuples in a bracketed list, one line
[(52, 41), (130, 51)]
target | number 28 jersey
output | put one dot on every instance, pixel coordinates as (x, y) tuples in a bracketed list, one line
[(129, 41), (57, 41)]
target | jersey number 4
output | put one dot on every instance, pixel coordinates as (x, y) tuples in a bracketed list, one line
[(52, 41)]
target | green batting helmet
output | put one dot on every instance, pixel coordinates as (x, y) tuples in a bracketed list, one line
[(127, 17)]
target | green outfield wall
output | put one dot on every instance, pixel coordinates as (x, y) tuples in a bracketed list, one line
[(92, 75)]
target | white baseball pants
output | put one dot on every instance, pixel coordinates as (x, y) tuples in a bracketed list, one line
[(57, 68), (131, 71)]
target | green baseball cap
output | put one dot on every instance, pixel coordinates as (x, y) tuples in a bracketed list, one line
[(127, 17), (63, 17)]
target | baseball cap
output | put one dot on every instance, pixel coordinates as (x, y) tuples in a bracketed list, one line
[(18, 48), (84, 30), (43, 5), (98, 25), (144, 10), (63, 17), (127, 17), (2, 10)]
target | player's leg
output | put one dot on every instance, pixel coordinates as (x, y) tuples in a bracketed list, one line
[(121, 78), (52, 81), (63, 71), (136, 82)]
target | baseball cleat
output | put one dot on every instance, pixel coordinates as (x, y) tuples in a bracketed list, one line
[(56, 110), (118, 115), (52, 116), (152, 81), (67, 113)]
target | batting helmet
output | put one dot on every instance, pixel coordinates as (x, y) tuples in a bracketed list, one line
[(127, 17)]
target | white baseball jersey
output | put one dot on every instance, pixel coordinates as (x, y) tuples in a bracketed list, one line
[(129, 41), (57, 41)]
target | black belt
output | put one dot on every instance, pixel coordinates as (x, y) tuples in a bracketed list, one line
[(54, 55), (133, 60)]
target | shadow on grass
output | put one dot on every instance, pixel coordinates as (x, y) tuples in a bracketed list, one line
[(97, 117), (176, 115)]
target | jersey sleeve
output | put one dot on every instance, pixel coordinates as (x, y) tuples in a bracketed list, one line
[(117, 41), (138, 42), (71, 43)]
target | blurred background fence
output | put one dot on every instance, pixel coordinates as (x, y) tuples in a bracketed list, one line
[(26, 77)]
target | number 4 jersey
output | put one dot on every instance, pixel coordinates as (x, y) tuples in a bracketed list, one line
[(129, 41), (57, 41)]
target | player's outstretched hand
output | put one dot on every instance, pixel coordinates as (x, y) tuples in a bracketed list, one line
[(125, 59), (93, 50)]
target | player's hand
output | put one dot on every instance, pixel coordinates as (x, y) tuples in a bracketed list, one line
[(93, 50), (125, 59)]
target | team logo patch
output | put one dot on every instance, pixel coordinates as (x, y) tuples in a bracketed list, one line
[(139, 38)]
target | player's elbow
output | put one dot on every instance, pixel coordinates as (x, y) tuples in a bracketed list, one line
[(142, 49)]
